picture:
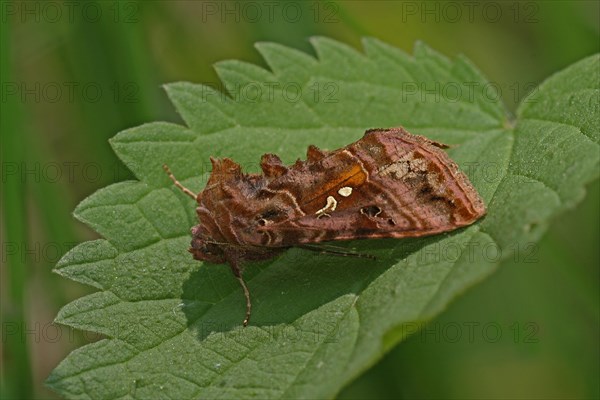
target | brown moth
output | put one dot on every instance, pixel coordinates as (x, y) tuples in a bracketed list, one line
[(388, 184)]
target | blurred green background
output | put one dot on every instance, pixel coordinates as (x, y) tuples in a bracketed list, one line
[(76, 73)]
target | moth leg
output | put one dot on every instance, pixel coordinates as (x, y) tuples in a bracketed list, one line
[(238, 274), (248, 303), (179, 185)]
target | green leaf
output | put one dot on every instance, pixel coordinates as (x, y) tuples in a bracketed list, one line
[(173, 325)]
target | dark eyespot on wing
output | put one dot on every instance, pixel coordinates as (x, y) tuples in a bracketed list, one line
[(371, 211)]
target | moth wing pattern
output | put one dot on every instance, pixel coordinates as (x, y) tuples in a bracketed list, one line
[(388, 184)]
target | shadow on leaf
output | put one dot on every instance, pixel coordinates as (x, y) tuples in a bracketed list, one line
[(286, 289)]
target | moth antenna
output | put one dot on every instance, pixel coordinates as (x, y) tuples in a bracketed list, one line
[(336, 251), (223, 243), (248, 303), (219, 243), (179, 185)]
